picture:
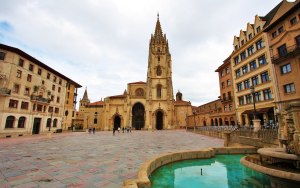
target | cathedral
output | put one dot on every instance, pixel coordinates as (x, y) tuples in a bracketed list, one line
[(146, 105)]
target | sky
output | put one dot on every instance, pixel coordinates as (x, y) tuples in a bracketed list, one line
[(103, 44)]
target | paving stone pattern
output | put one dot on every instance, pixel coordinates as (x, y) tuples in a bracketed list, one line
[(87, 160)]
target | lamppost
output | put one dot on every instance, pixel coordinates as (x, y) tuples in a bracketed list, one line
[(252, 91), (194, 112)]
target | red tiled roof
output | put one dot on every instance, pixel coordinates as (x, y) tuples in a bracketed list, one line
[(97, 103), (140, 82)]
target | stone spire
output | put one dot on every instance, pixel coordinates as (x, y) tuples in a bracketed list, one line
[(85, 95), (158, 37)]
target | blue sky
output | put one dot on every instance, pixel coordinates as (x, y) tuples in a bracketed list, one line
[(104, 44)]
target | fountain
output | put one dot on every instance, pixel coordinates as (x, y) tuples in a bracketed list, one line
[(282, 164)]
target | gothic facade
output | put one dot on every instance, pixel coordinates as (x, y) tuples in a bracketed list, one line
[(146, 105)]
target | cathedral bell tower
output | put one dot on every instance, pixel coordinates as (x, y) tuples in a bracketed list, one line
[(159, 79)]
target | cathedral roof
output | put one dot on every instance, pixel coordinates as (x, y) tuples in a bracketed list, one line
[(117, 96), (177, 103), (97, 103)]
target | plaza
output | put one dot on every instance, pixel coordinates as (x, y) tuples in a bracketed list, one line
[(80, 159)]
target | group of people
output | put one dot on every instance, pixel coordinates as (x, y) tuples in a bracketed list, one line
[(94, 130), (124, 129)]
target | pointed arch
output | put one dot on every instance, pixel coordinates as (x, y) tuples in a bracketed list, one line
[(158, 90), (138, 116)]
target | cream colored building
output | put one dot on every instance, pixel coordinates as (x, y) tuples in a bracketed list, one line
[(252, 67), (33, 96), (146, 105)]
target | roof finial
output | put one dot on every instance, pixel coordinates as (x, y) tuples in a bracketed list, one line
[(158, 15)]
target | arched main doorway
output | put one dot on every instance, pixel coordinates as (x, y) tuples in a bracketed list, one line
[(159, 120), (138, 119), (117, 122)]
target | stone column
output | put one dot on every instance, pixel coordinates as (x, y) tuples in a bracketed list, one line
[(256, 124)]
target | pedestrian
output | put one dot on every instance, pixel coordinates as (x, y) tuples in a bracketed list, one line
[(90, 130), (94, 130), (127, 129), (123, 129), (119, 129), (114, 131), (130, 129)]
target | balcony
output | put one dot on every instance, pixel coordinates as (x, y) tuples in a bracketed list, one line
[(226, 99), (286, 53), (5, 91), (36, 98)]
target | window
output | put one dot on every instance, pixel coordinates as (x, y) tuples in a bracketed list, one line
[(286, 68), (228, 82), (39, 71), (158, 58), (16, 88), (29, 77), (250, 50), (95, 120), (293, 21), (224, 96), (264, 77), (241, 100), (48, 75), (236, 47), (158, 91), (58, 89), (54, 78), (19, 74), (2, 55), (225, 108), (13, 103), (60, 81), (236, 60), (255, 80), (242, 42), (229, 95), (282, 51), (262, 60), (55, 122), (138, 92), (250, 36), (257, 96), (21, 122), (247, 84), (248, 98), (298, 40), (258, 29), (267, 94), (10, 122), (243, 55), (245, 69), (30, 67), (24, 105), (56, 110), (158, 70), (52, 97), (259, 44), (53, 87), (21, 62), (222, 73), (252, 65), (39, 107), (274, 34), (289, 88), (238, 73), (230, 107), (50, 109), (280, 29), (223, 85), (240, 86), (27, 91), (57, 99), (227, 70)]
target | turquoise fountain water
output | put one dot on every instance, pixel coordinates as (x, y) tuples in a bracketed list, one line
[(220, 171)]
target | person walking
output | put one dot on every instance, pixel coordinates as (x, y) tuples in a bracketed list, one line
[(114, 131), (94, 130), (119, 129)]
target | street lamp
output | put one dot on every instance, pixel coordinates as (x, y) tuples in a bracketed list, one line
[(252, 91), (194, 112)]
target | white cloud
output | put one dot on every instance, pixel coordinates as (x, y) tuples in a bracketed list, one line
[(104, 44)]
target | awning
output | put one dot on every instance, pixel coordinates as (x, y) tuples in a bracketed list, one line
[(258, 110)]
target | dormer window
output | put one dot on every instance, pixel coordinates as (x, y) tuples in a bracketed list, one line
[(250, 36), (242, 42), (258, 29)]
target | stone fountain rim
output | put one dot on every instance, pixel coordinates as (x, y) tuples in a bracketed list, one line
[(270, 171), (277, 153)]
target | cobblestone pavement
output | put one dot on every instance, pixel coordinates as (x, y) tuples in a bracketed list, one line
[(87, 160)]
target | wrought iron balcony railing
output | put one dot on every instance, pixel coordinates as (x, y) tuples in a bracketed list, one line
[(39, 99), (5, 91), (286, 53)]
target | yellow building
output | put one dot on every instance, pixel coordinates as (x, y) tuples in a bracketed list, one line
[(34, 98), (143, 105)]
